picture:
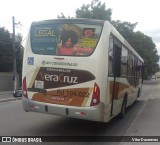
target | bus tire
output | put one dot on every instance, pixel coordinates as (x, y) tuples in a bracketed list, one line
[(123, 107)]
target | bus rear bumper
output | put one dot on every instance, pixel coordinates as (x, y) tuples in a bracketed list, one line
[(95, 113)]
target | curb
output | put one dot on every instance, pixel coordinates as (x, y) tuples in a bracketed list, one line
[(3, 93), (11, 99)]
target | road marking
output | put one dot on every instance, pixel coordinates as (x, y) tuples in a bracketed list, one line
[(134, 121)]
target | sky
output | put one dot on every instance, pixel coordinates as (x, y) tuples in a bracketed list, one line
[(145, 12)]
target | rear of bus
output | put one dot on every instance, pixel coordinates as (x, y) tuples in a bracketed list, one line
[(59, 69)]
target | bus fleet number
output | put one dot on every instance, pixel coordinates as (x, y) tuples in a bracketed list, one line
[(72, 93)]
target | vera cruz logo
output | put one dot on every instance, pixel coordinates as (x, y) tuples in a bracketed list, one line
[(59, 77)]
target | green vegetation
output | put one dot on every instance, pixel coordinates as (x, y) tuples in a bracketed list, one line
[(6, 52), (142, 43)]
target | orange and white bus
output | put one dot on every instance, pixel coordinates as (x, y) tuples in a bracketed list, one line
[(79, 68)]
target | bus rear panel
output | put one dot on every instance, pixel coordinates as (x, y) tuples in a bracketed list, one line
[(59, 69)]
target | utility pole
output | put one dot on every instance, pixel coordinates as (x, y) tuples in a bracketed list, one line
[(14, 56)]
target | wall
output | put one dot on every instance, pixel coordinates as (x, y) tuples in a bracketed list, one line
[(6, 82)]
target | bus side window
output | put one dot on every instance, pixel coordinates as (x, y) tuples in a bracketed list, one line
[(117, 58), (124, 56), (140, 69), (110, 63), (135, 67), (129, 64)]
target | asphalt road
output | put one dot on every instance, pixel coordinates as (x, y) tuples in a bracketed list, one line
[(141, 119)]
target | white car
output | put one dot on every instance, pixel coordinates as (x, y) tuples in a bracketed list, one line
[(153, 77)]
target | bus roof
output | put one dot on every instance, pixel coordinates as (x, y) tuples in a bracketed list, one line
[(80, 21)]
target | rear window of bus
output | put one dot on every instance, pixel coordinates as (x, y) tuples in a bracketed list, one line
[(65, 39)]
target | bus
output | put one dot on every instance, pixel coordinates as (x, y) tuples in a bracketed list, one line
[(79, 68)]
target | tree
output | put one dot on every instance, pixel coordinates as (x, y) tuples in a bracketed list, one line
[(142, 43), (6, 52), (62, 16), (19, 53), (95, 10), (126, 29)]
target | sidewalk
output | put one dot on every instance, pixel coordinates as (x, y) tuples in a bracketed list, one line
[(6, 96), (6, 92)]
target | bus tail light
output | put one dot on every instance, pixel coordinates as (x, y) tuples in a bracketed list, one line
[(24, 88), (96, 96)]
